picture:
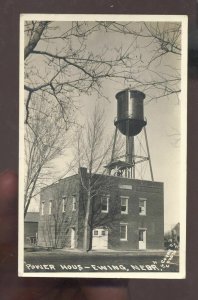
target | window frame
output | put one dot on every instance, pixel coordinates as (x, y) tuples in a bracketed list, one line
[(127, 205), (63, 204), (126, 232), (50, 207), (74, 202), (144, 207), (107, 199)]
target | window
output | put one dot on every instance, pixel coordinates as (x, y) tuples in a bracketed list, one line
[(64, 200), (42, 208), (105, 204), (95, 232), (142, 207), (50, 207), (123, 232), (124, 205), (103, 232), (73, 203)]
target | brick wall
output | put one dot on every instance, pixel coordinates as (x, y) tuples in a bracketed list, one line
[(153, 221), (115, 187), (55, 229)]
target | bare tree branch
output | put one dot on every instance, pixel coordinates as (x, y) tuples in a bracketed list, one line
[(35, 37)]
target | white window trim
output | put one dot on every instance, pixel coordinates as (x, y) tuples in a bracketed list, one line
[(50, 207), (63, 203), (73, 203), (42, 208), (126, 226), (107, 210), (143, 199), (127, 205)]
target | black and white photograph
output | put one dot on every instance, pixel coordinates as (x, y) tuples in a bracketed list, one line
[(102, 146)]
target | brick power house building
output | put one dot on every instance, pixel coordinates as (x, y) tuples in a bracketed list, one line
[(126, 213), (135, 207)]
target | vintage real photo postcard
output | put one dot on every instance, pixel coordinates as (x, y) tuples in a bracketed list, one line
[(102, 187)]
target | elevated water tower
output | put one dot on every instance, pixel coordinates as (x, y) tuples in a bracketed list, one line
[(130, 122)]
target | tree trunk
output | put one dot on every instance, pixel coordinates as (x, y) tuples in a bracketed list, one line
[(90, 239), (86, 223)]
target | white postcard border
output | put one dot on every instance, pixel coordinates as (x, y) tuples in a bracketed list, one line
[(96, 17)]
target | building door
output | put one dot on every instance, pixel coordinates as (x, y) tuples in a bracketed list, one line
[(73, 237), (142, 239), (99, 239)]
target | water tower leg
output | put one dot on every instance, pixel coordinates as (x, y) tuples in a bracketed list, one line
[(148, 153), (132, 156), (114, 143), (130, 153), (127, 173), (128, 144), (113, 149)]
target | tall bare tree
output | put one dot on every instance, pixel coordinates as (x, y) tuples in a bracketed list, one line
[(45, 139), (93, 152)]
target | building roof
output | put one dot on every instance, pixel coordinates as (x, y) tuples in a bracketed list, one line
[(32, 217), (120, 164)]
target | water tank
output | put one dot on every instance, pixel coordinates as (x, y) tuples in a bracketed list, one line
[(130, 112)]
